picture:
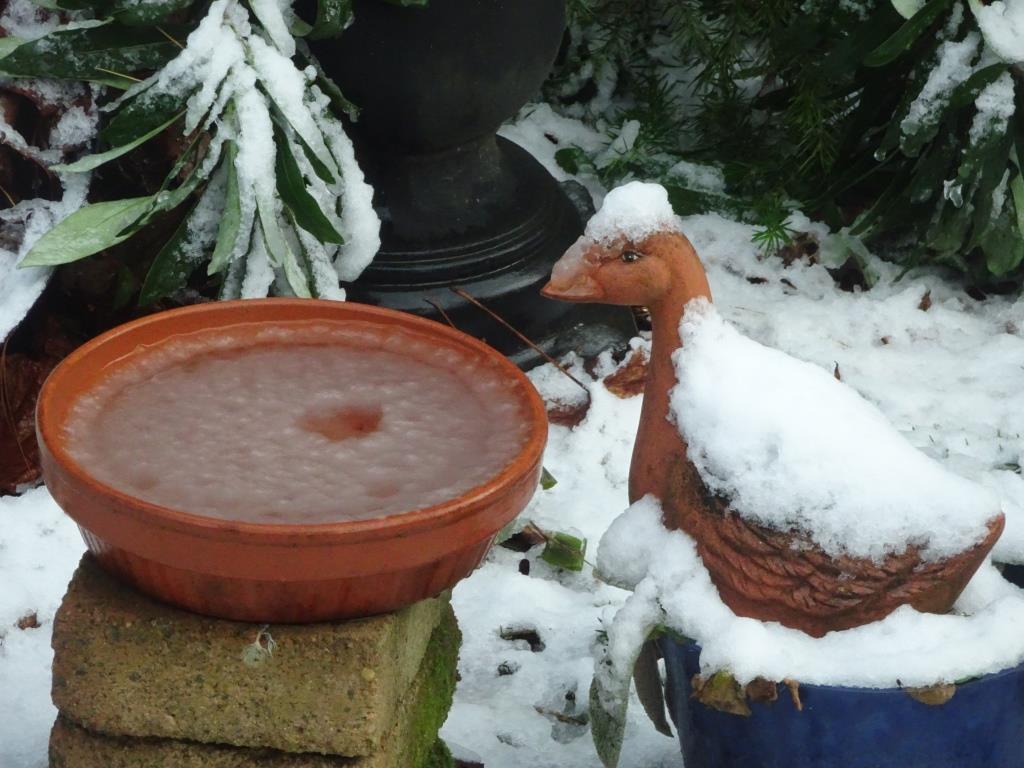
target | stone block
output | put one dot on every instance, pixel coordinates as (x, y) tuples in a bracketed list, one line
[(411, 742), (128, 665)]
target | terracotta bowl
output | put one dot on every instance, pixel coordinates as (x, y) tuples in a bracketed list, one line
[(278, 573)]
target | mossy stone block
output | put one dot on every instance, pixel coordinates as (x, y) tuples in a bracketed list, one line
[(411, 742), (126, 664)]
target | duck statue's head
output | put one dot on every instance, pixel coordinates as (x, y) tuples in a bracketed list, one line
[(632, 253)]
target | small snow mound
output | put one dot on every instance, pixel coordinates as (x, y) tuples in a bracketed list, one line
[(794, 449), (981, 636), (635, 211)]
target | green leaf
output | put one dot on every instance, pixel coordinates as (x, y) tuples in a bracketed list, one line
[(1017, 190), (321, 168), (89, 162), (967, 92), (231, 219), (149, 13), (332, 16), (571, 159), (280, 254), (547, 480), (906, 35), (1003, 245), (564, 551), (90, 54), (172, 266), (89, 230), (8, 45), (292, 187), (141, 115)]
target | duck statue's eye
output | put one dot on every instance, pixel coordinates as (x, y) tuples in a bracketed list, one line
[(630, 256)]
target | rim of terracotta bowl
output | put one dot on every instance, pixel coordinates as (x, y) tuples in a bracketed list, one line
[(61, 384)]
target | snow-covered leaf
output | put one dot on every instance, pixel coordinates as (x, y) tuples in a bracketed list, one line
[(292, 188), (332, 16), (180, 256), (8, 45), (149, 13), (227, 233), (89, 230), (89, 162), (140, 115), (91, 54), (279, 252)]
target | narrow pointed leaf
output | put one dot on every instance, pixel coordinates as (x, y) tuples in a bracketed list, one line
[(171, 268), (231, 220), (8, 45), (89, 230), (90, 54), (141, 115), (278, 250), (903, 38), (89, 162), (292, 188), (332, 16), (150, 13)]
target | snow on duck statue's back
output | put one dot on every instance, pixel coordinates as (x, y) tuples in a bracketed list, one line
[(807, 507)]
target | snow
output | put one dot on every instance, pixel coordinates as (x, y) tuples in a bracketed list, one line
[(950, 379), (791, 448), (983, 634), (635, 211), (995, 108), (39, 549), (1002, 24), (952, 68)]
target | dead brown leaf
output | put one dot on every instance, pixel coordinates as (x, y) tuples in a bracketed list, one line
[(837, 373), (28, 621), (794, 693), (933, 695), (926, 301), (569, 414), (762, 690), (803, 246), (630, 378), (722, 692)]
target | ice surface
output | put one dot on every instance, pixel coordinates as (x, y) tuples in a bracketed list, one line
[(792, 448), (635, 211), (306, 426), (983, 635)]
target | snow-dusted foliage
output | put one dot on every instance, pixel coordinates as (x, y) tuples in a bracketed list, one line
[(236, 79), (274, 197), (22, 224)]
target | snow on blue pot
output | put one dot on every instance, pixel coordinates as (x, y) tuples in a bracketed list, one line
[(981, 726)]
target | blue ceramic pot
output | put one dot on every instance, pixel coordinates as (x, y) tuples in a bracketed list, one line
[(982, 726)]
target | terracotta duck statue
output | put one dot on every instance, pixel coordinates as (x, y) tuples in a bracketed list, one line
[(807, 507)]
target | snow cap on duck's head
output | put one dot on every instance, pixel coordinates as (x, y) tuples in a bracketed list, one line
[(631, 253)]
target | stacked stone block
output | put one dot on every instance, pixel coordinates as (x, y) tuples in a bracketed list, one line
[(140, 684)]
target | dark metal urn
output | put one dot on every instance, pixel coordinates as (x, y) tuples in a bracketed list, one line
[(461, 207)]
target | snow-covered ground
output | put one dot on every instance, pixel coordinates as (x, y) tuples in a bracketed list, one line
[(948, 371)]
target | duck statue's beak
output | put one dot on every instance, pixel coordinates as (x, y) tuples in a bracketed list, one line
[(571, 278)]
